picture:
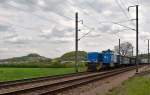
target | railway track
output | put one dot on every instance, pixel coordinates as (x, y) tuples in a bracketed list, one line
[(56, 84), (31, 80)]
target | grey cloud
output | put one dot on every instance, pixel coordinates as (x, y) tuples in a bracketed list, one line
[(28, 13), (97, 5), (4, 28), (10, 36), (15, 39), (57, 6), (105, 28), (60, 7), (61, 40), (56, 32), (22, 5), (145, 35)]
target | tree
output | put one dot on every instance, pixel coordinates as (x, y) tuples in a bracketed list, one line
[(126, 49)]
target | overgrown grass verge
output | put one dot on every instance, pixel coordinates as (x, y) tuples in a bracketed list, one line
[(133, 86)]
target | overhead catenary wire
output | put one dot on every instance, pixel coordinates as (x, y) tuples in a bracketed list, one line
[(90, 29), (46, 19), (124, 11), (41, 17), (125, 8), (31, 13), (123, 4), (129, 20), (118, 31), (124, 26), (86, 34), (117, 24)]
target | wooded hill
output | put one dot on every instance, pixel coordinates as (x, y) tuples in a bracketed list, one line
[(36, 58)]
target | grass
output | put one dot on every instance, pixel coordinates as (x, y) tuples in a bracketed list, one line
[(133, 86), (42, 65), (7, 74)]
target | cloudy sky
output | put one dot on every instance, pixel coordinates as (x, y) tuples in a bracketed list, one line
[(46, 27)]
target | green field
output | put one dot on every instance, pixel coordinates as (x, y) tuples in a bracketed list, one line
[(134, 86), (7, 74)]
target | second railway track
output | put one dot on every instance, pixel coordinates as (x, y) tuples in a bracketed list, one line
[(38, 79), (57, 85)]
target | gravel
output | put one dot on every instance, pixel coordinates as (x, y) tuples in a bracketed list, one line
[(102, 87)]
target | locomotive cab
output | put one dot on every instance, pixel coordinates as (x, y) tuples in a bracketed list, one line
[(94, 61), (109, 58)]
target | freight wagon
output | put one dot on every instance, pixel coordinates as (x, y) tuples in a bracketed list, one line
[(107, 59)]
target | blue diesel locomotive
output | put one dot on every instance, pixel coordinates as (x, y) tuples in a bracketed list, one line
[(94, 61), (107, 59)]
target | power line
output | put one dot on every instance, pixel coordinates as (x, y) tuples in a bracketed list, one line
[(129, 20), (84, 35), (123, 4), (118, 24), (90, 30), (126, 7), (132, 2), (41, 17), (123, 26), (123, 21), (121, 30), (123, 11)]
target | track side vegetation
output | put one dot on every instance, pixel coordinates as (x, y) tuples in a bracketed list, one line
[(34, 65), (133, 86)]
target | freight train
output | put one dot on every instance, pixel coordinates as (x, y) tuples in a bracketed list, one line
[(107, 59)]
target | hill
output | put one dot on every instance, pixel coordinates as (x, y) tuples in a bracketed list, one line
[(70, 56), (35, 60), (30, 58)]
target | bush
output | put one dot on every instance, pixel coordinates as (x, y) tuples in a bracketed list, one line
[(56, 64)]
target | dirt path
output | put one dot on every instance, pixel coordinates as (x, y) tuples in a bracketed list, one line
[(112, 82), (102, 87)]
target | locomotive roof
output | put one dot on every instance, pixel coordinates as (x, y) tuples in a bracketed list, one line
[(108, 51)]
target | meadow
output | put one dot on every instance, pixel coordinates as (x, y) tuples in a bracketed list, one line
[(9, 74)]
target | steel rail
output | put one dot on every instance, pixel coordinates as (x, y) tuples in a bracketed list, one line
[(31, 80), (60, 86)]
